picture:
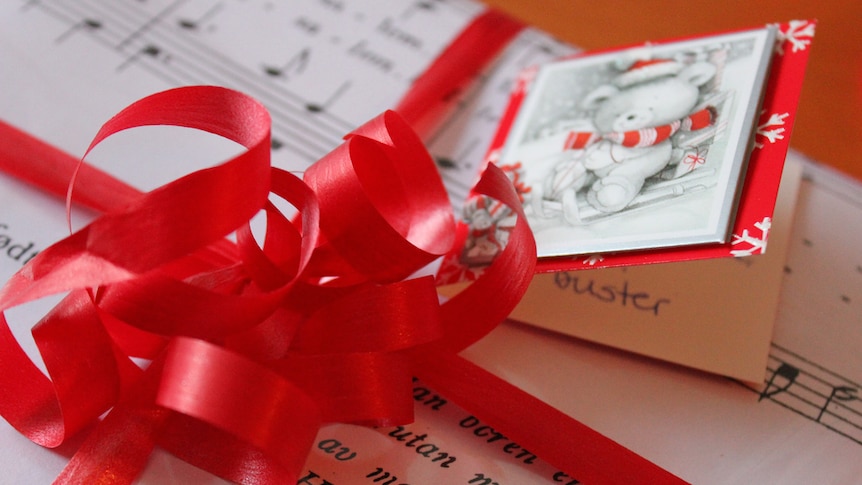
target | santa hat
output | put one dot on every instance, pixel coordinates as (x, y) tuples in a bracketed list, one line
[(647, 70)]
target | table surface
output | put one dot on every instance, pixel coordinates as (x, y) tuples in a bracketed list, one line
[(828, 126)]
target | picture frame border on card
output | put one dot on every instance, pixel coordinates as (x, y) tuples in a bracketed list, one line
[(651, 219)]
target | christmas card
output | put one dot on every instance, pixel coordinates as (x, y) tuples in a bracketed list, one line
[(665, 151)]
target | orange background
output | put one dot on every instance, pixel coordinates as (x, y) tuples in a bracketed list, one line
[(829, 122)]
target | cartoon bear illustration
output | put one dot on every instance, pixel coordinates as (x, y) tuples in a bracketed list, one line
[(630, 138)]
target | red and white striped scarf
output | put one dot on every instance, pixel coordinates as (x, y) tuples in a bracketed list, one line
[(644, 137)]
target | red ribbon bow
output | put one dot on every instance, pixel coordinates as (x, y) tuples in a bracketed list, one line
[(248, 344), (251, 347)]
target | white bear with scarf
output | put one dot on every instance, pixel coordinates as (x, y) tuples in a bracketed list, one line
[(634, 118)]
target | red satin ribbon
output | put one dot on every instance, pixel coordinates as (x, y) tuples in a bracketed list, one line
[(287, 344), (459, 64), (253, 347)]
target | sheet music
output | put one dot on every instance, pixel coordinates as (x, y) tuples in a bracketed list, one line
[(815, 368), (321, 67), (814, 392), (326, 65)]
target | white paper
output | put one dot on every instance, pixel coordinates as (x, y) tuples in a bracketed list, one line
[(64, 72)]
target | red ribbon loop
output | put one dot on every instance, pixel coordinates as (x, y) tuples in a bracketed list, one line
[(242, 183), (374, 318), (386, 213), (236, 395), (50, 411), (253, 346), (257, 342)]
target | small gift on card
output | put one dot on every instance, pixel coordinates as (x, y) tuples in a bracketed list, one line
[(650, 153)]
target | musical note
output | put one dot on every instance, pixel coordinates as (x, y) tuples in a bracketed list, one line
[(195, 24), (320, 107), (150, 51), (842, 393), (296, 65), (150, 23), (814, 392), (87, 24), (787, 373)]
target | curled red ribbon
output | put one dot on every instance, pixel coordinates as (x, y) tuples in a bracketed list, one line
[(253, 346)]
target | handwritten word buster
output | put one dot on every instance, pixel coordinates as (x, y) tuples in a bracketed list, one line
[(610, 293)]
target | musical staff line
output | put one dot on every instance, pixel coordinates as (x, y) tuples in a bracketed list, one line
[(193, 24), (152, 21), (168, 49), (195, 63), (812, 391), (186, 42)]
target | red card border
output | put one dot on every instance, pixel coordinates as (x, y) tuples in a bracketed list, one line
[(762, 176)]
